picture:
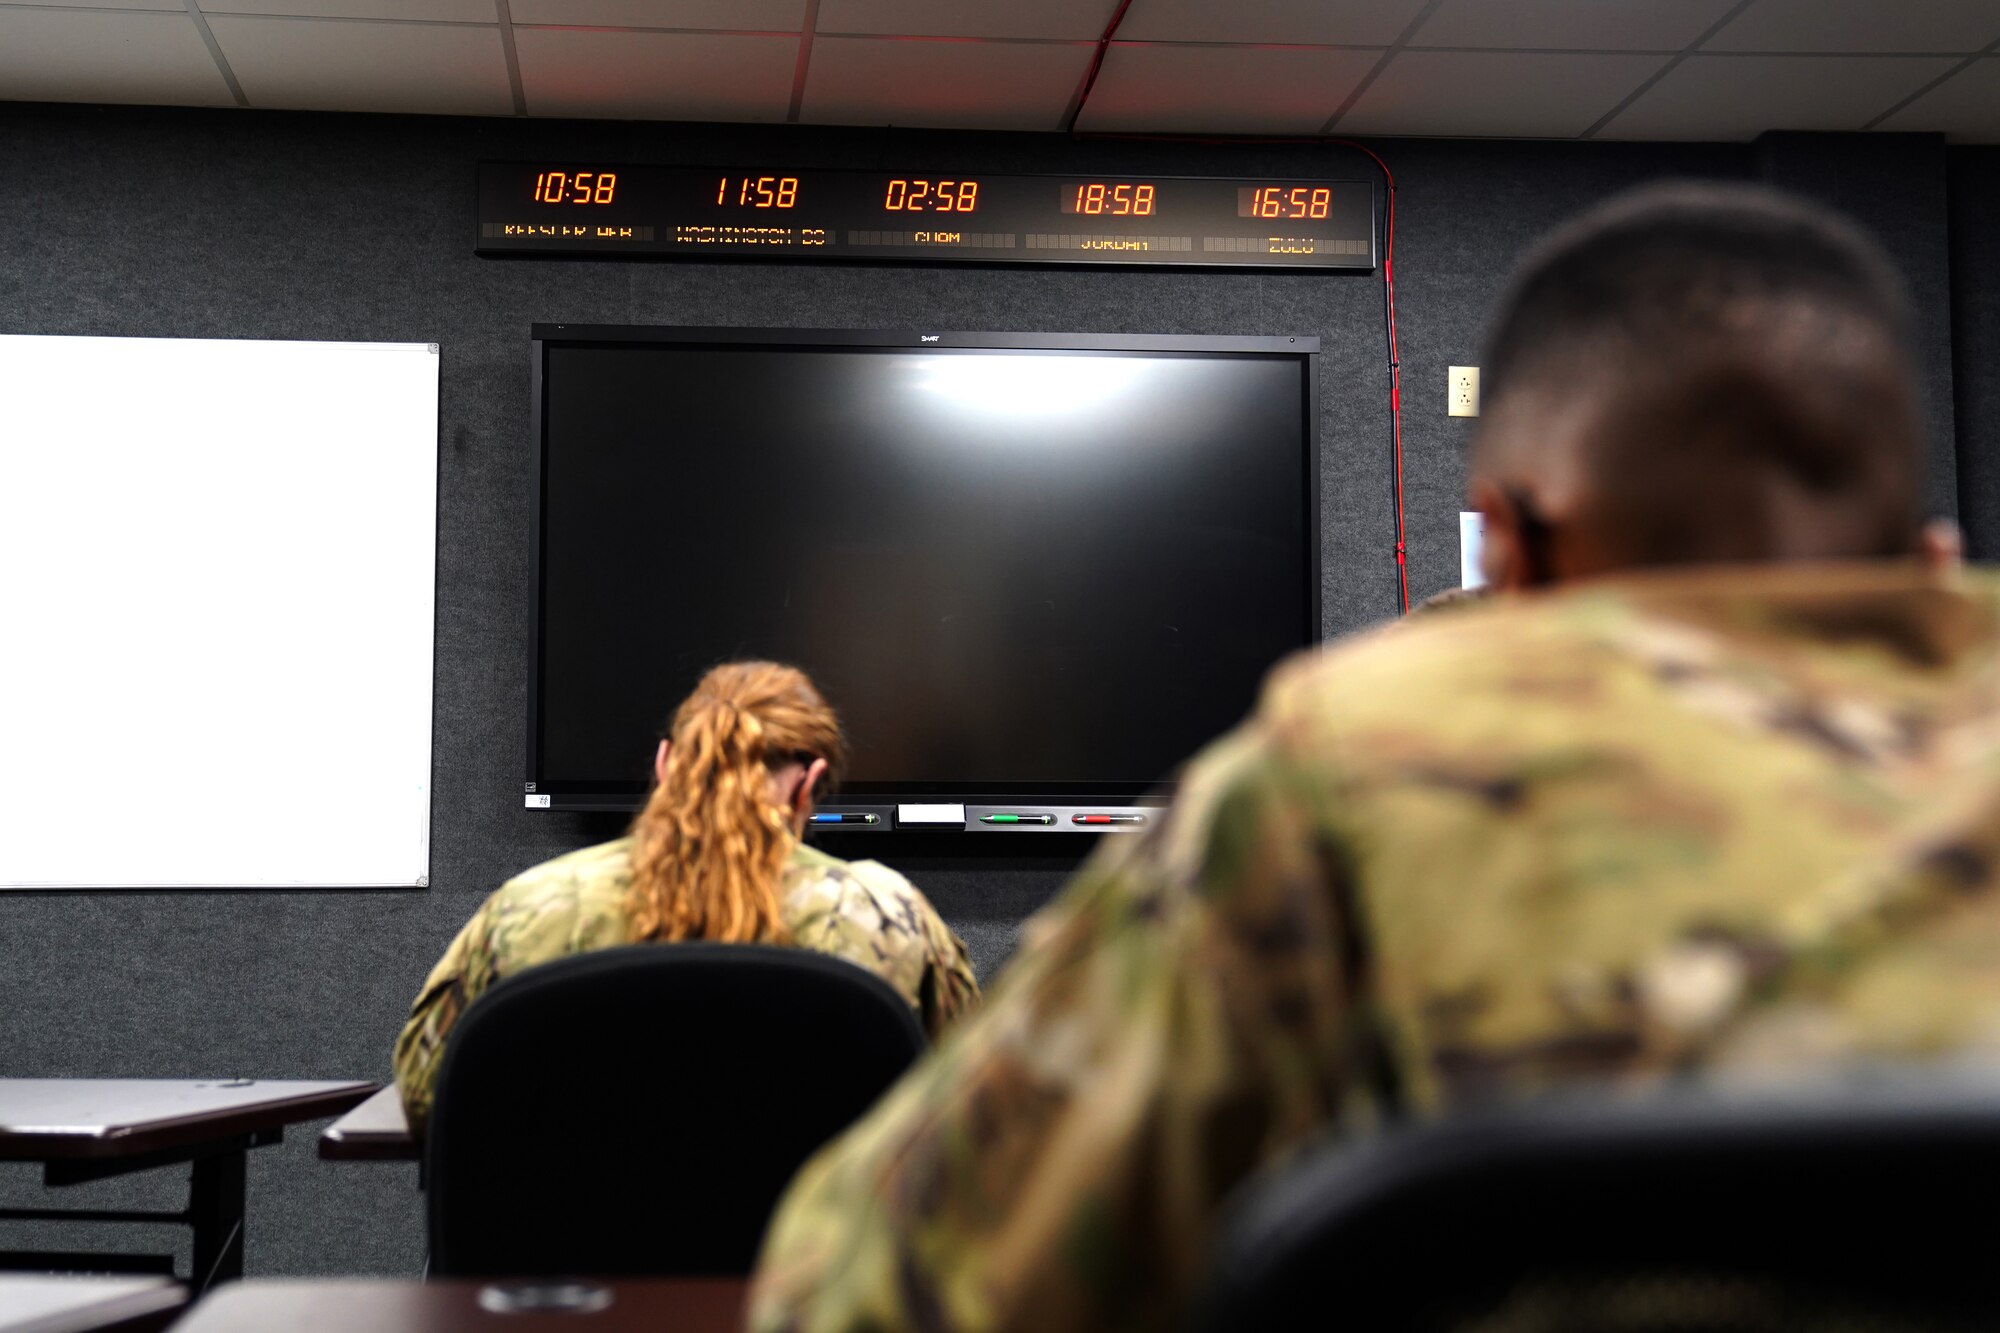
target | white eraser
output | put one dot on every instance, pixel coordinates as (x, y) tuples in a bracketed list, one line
[(538, 802), (952, 815)]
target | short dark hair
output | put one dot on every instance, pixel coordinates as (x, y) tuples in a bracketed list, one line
[(1654, 267), (1748, 361)]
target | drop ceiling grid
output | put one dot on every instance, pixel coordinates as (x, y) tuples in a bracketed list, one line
[(325, 65), (1736, 97), (592, 73), (948, 83), (1187, 66), (1904, 27), (1045, 20), (73, 54), (442, 11), (1540, 95), (1221, 89), (1965, 106)]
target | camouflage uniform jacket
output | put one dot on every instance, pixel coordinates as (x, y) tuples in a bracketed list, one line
[(861, 911), (1712, 819)]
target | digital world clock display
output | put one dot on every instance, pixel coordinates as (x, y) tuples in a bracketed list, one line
[(575, 187), (582, 208)]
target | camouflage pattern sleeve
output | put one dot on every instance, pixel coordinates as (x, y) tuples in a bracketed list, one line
[(871, 916), (1189, 1008), (420, 1045), (570, 905)]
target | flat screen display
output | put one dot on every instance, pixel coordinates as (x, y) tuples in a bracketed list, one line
[(1017, 566)]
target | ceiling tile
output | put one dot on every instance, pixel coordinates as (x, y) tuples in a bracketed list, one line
[(1497, 95), (1221, 89), (350, 65), (656, 75), (453, 11), (177, 6), (1071, 20), (90, 55), (1323, 22), (1965, 107), (729, 15), (1571, 25), (1740, 97), (1862, 26), (943, 83)]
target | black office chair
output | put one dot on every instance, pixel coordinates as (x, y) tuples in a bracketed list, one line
[(1868, 1205), (639, 1110)]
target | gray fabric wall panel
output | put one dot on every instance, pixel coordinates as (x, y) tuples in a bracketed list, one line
[(232, 224), (1975, 342), (1893, 184)]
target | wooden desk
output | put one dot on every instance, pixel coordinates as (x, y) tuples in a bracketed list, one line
[(682, 1305), (374, 1131), (43, 1304), (89, 1129)]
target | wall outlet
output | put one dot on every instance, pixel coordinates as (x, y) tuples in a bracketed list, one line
[(1462, 391)]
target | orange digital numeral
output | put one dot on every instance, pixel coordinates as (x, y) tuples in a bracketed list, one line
[(1130, 200), (559, 187), (923, 196), (764, 191)]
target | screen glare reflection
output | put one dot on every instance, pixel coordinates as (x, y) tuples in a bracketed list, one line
[(1026, 386)]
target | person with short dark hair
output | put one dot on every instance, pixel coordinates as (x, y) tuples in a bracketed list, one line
[(1712, 784), (1699, 376)]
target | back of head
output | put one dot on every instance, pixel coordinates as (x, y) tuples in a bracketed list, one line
[(1702, 373), (710, 846)]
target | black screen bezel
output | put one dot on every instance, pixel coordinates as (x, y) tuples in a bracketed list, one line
[(544, 337)]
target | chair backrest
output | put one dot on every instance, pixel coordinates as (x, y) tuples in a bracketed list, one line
[(640, 1110), (1863, 1205)]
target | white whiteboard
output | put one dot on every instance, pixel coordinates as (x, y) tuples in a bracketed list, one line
[(217, 583)]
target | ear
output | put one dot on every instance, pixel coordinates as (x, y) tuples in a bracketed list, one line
[(1941, 546), (1503, 554), (660, 762), (809, 786)]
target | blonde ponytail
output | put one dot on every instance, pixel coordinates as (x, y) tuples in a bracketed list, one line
[(710, 846)]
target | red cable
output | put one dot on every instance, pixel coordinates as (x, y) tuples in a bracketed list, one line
[(1395, 358), (1388, 298)]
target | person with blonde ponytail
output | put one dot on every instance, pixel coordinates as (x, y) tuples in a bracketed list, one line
[(715, 855)]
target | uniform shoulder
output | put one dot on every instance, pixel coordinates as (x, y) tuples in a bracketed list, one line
[(811, 866), (825, 896), (1599, 647), (1434, 660), (600, 870)]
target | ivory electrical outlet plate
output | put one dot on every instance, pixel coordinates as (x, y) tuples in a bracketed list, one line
[(1462, 387)]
